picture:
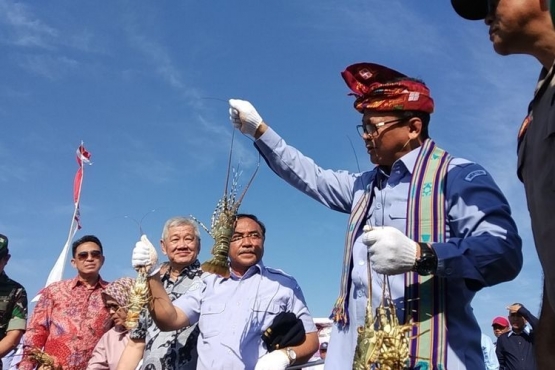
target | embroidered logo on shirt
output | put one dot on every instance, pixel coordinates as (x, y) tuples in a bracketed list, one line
[(472, 175)]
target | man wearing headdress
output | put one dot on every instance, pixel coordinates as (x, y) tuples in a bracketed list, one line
[(13, 305), (440, 228)]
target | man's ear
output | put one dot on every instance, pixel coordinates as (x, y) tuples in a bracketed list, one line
[(415, 127), (163, 247)]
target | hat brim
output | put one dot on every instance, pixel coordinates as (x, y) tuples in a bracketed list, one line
[(472, 10)]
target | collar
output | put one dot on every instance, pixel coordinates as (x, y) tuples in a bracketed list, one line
[(3, 276), (191, 271), (408, 161), (100, 282), (526, 331), (257, 268)]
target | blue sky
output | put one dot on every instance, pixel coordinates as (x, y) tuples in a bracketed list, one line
[(132, 78)]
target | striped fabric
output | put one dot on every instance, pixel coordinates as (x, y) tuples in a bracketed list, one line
[(426, 222)]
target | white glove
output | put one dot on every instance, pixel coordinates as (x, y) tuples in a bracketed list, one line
[(144, 255), (391, 251), (244, 116), (275, 360)]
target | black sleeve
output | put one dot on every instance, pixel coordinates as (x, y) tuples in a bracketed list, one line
[(533, 320)]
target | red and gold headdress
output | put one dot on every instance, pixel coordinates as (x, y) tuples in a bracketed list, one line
[(383, 89)]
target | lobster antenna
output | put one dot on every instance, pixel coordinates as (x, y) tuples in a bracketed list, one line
[(354, 152), (229, 165), (250, 181), (140, 223)]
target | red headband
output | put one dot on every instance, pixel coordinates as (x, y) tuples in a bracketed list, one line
[(384, 89)]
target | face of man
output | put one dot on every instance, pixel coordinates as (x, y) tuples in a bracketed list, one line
[(88, 259), (515, 24), (387, 136), (181, 245), (247, 245), (517, 322), (499, 329)]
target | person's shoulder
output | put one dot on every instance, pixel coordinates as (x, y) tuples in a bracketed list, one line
[(280, 274)]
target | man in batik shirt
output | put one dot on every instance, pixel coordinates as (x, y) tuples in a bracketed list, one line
[(70, 316), (13, 305), (169, 350)]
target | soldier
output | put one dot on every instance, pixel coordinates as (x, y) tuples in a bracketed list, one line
[(13, 305)]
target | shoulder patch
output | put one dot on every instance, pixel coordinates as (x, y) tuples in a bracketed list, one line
[(472, 175), (279, 272)]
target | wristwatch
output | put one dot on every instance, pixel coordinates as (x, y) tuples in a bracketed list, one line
[(427, 263), (291, 355)]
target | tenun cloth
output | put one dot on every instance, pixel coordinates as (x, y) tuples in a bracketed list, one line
[(424, 295), (381, 88)]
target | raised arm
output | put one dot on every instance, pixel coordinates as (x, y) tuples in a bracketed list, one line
[(166, 316)]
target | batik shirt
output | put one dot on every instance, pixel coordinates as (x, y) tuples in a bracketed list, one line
[(170, 350), (13, 306), (68, 321)]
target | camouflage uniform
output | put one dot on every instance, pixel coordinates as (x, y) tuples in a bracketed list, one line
[(13, 300)]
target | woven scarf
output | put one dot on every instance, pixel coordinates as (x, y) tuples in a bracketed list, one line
[(426, 223), (425, 295)]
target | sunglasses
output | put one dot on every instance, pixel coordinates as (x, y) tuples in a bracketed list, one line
[(83, 256)]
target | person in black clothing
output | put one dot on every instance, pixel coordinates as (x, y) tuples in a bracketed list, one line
[(515, 349)]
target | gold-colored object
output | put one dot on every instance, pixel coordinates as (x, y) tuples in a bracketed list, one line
[(139, 297), (43, 360), (382, 341), (223, 222)]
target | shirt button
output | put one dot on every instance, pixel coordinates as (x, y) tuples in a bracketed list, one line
[(361, 262), (378, 206), (448, 271)]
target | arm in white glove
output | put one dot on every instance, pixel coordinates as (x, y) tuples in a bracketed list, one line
[(391, 251), (244, 116), (144, 255), (276, 360)]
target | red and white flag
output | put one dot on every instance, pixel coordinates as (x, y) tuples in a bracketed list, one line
[(57, 272)]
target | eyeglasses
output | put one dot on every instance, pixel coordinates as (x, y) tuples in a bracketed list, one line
[(371, 129), (83, 256), (253, 236), (112, 307)]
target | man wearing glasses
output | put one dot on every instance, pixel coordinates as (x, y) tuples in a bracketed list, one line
[(70, 316), (437, 225), (515, 348), (232, 313), (526, 27)]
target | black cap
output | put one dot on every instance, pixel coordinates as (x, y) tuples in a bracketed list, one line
[(3, 245), (285, 331), (472, 10)]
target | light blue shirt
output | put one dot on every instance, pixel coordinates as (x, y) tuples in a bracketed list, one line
[(233, 313), (482, 247), (488, 349)]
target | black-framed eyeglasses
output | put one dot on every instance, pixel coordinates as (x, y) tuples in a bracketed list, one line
[(253, 236), (83, 256), (372, 128)]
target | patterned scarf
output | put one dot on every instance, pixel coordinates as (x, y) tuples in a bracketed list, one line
[(426, 223), (119, 290)]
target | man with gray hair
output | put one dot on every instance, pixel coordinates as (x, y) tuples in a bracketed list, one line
[(175, 350)]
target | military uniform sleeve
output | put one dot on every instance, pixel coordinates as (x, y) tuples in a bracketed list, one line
[(334, 189), (18, 319), (484, 247)]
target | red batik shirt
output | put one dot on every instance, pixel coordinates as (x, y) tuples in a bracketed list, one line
[(68, 320)]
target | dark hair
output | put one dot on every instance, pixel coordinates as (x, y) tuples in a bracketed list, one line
[(255, 219), (425, 118), (85, 239)]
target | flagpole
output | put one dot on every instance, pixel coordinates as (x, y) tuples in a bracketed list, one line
[(57, 271)]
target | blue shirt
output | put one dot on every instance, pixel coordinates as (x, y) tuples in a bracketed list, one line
[(233, 313), (488, 349), (482, 248)]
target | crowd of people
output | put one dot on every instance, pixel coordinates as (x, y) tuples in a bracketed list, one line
[(436, 225)]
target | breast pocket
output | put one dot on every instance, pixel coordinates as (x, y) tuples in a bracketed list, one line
[(211, 319), (270, 306), (398, 212)]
